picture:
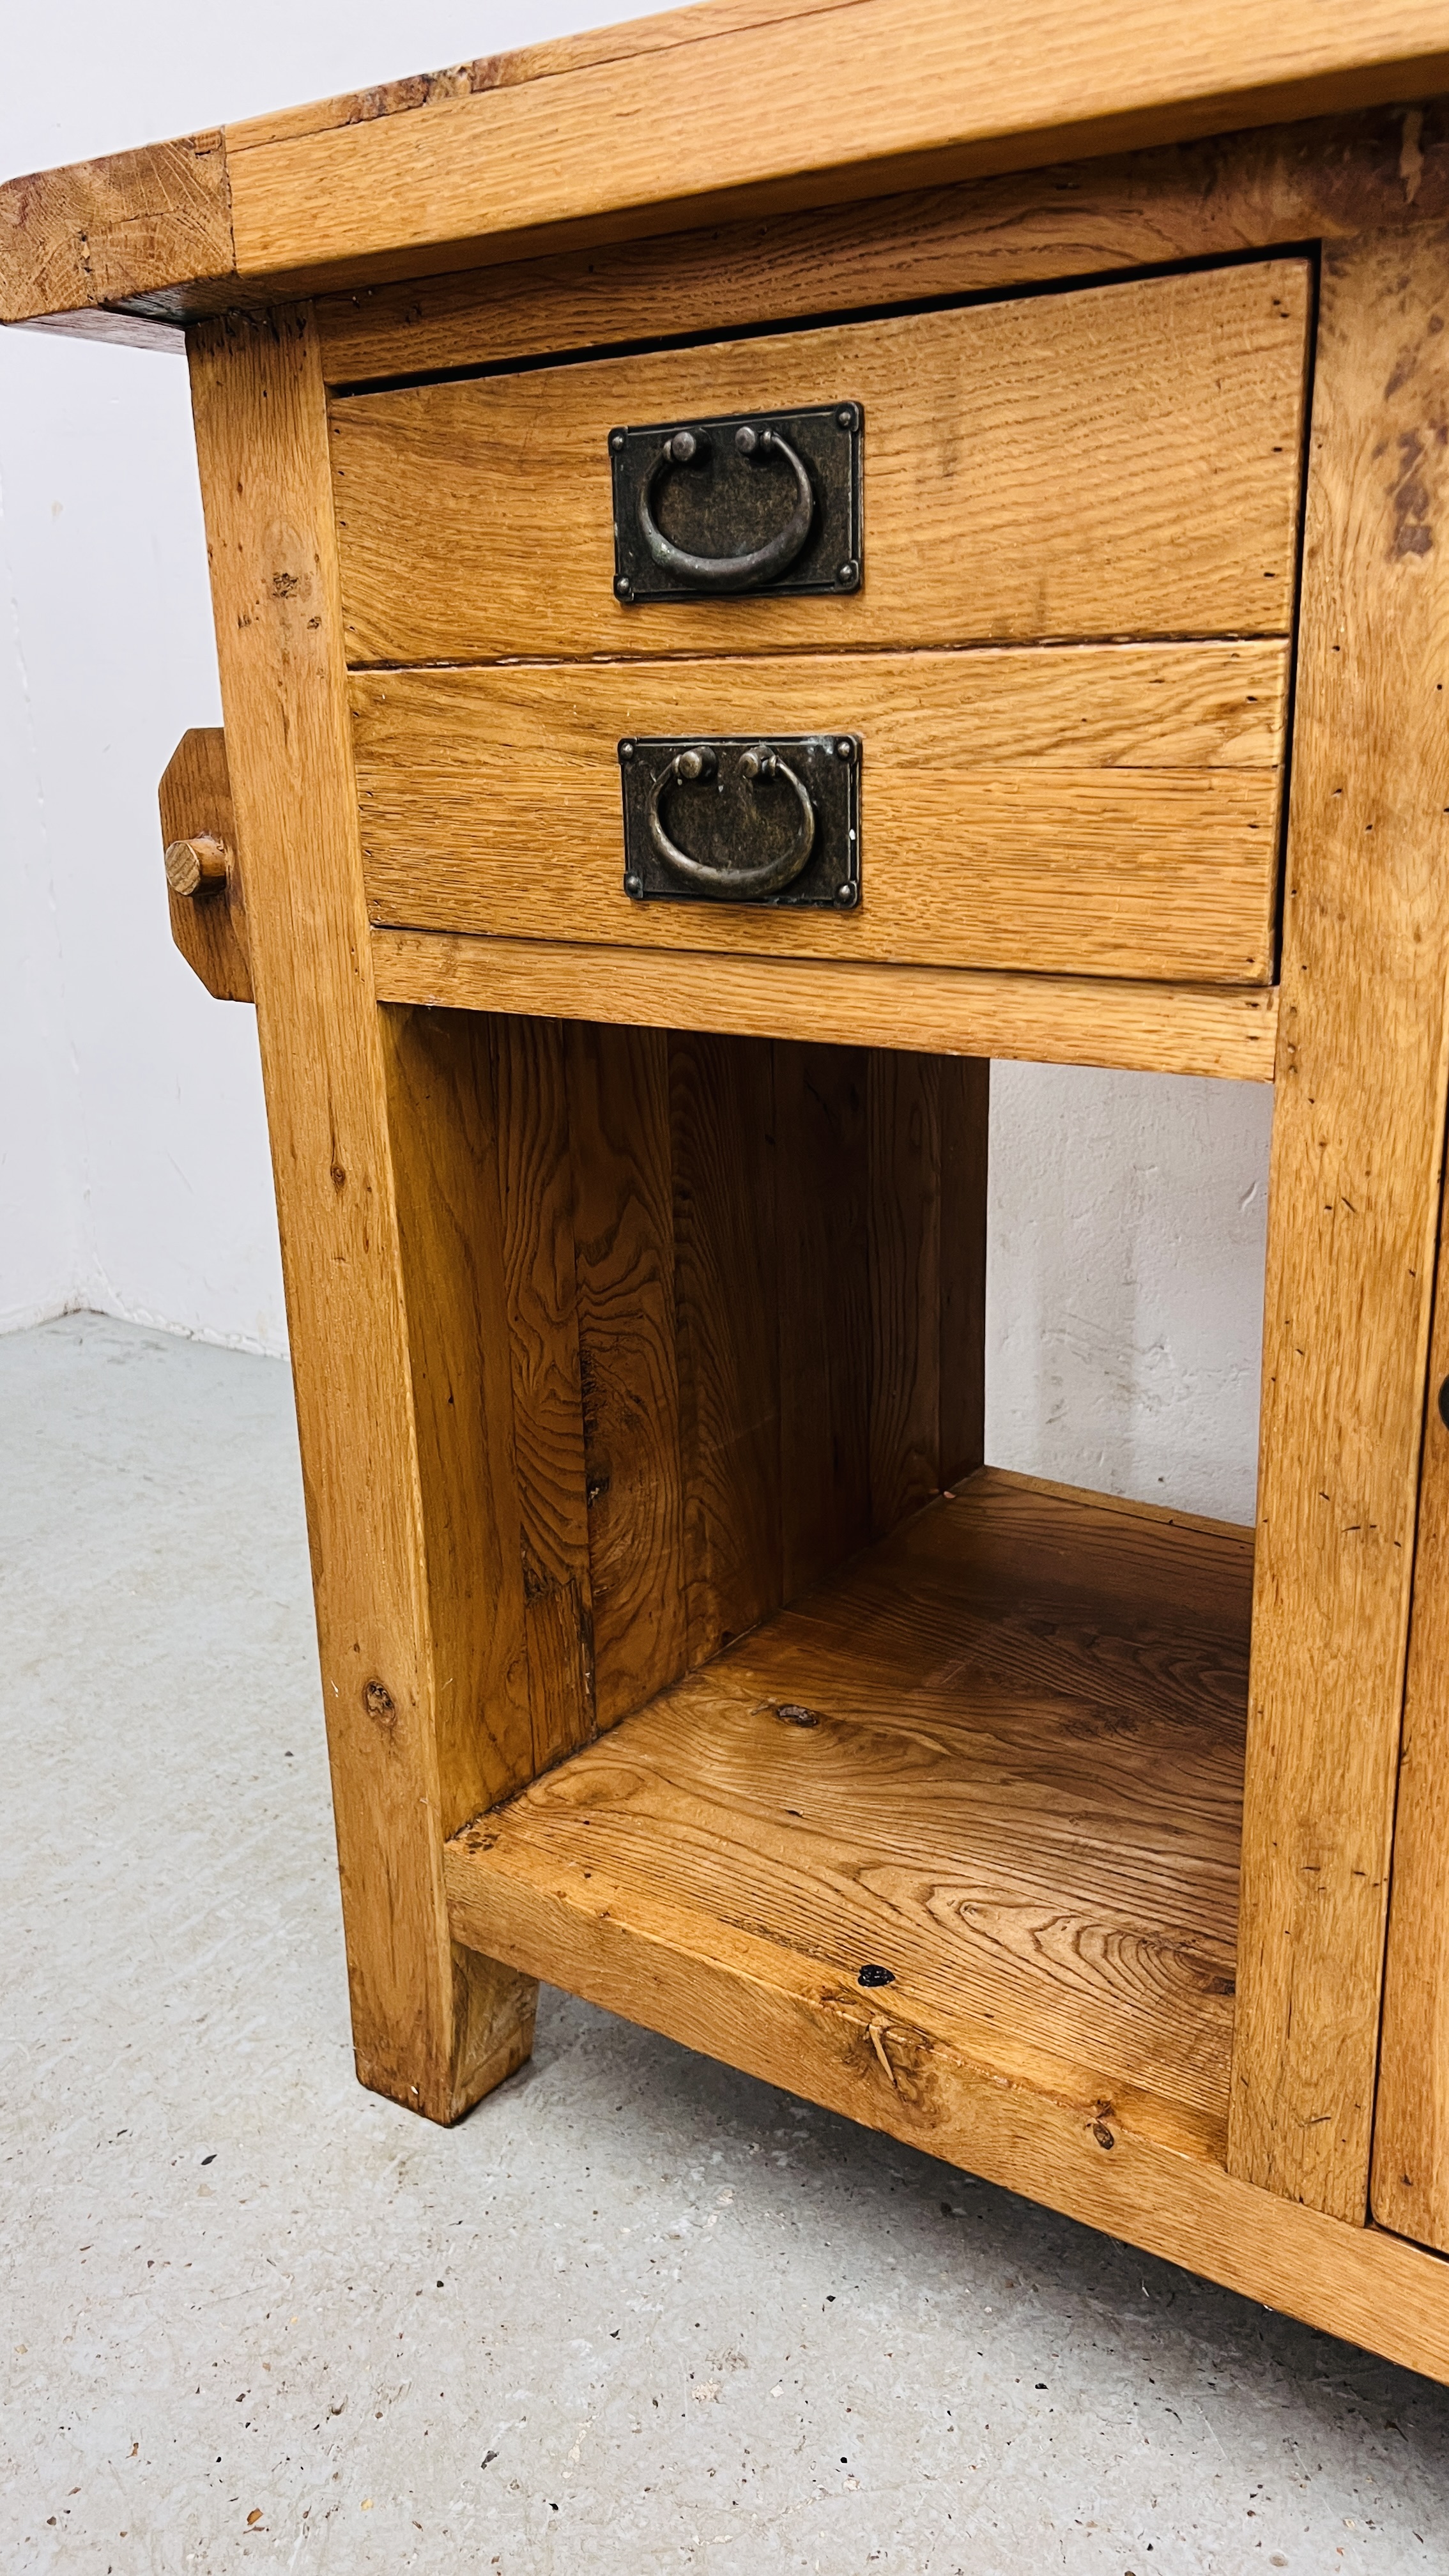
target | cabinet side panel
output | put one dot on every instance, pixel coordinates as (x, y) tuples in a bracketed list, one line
[(1353, 1210)]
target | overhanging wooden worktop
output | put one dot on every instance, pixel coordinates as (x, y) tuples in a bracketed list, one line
[(677, 1640), (733, 107)]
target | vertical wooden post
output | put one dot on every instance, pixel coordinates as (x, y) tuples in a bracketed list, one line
[(928, 1122), (726, 1304), (822, 1206), (623, 1177), (400, 1344), (1353, 1209), (1411, 2126), (904, 1164), (536, 1215), (965, 1135)]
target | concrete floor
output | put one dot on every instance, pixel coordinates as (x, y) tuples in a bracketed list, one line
[(637, 2313)]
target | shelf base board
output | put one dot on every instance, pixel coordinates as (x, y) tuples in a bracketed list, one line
[(996, 1764), (1372, 2289)]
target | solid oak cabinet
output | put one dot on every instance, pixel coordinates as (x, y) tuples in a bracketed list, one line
[(721, 635)]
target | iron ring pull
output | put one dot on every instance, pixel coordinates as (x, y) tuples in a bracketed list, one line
[(773, 875), (728, 572)]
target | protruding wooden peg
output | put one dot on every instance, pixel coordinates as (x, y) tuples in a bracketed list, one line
[(203, 879), (192, 866)]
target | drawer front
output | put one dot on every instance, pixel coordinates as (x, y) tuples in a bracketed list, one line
[(1107, 810), (1116, 461)]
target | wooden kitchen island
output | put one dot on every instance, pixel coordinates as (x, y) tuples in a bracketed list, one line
[(762, 559)]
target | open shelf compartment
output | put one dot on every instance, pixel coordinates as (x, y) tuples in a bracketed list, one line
[(999, 1757)]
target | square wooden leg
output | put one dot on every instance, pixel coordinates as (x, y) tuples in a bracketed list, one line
[(382, 1153)]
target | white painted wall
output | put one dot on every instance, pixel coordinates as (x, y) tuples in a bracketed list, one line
[(133, 1163), (1125, 1282), (1128, 1212)]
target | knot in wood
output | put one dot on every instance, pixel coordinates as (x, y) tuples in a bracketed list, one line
[(377, 1699)]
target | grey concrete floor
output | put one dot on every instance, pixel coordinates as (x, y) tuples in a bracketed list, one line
[(637, 2313)]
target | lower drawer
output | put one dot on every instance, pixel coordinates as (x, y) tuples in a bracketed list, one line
[(1092, 809)]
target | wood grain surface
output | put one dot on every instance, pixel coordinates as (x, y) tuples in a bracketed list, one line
[(89, 235), (449, 1149), (1008, 1770), (965, 1127), (535, 1197), (581, 142), (1107, 810), (557, 56), (1124, 2163), (1330, 179), (1354, 1204), (901, 92), (209, 927), (1411, 2118), (623, 1198), (652, 1397), (726, 1269), (1043, 1019), (823, 1191), (400, 1625), (1123, 460), (903, 1227)]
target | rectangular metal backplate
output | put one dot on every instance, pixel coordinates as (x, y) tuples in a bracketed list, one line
[(743, 819), (725, 495)]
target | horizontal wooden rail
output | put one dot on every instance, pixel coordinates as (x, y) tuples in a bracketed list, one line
[(1046, 1019)]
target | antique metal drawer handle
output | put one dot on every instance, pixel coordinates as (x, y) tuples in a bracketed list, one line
[(729, 818), (720, 487), (727, 572), (773, 875)]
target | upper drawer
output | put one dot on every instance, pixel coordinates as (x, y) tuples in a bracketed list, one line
[(1118, 461)]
